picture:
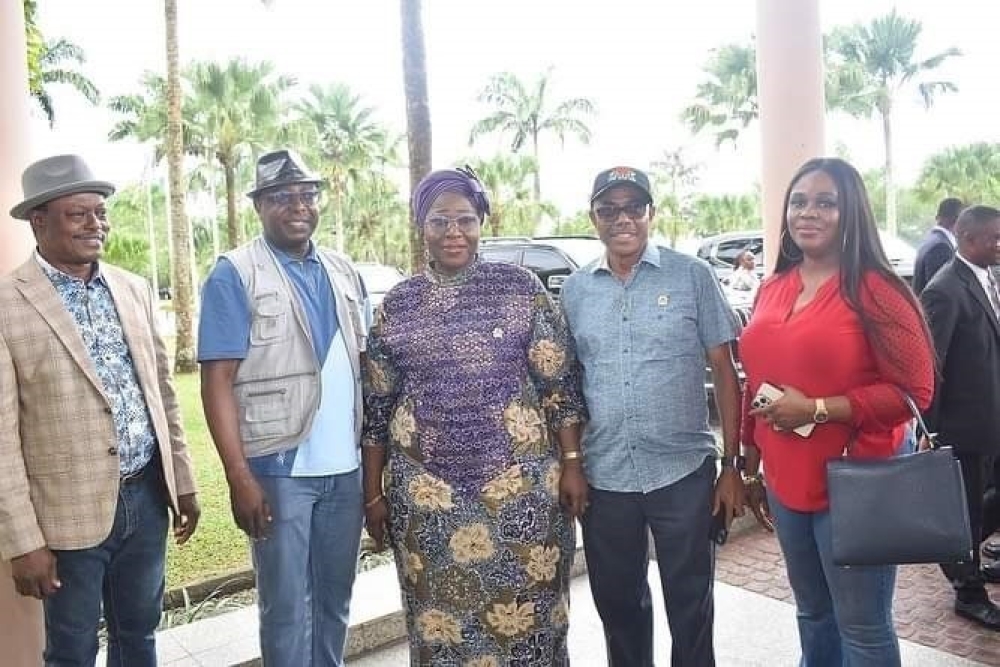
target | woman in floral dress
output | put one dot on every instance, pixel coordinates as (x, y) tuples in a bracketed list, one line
[(472, 422)]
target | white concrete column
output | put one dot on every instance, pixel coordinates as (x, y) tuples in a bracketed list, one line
[(21, 631), (791, 100)]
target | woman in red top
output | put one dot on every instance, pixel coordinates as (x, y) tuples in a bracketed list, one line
[(843, 337)]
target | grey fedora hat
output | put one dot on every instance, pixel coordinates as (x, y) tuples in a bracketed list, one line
[(55, 177)]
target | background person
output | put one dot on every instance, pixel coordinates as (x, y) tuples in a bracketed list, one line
[(93, 456), (962, 305), (744, 277), (470, 372), (938, 246), (842, 335)]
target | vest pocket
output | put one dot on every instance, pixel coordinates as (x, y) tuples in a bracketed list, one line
[(270, 321), (265, 413)]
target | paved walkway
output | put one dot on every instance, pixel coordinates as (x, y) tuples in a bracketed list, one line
[(755, 620), (922, 607), (751, 630)]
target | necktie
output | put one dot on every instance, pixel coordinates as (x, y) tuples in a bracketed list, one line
[(993, 293)]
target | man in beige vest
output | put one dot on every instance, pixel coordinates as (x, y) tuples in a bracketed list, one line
[(283, 324), (92, 456)]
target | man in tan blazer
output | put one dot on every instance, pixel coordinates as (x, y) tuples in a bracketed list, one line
[(92, 452)]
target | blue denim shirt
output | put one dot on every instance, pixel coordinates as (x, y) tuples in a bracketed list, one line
[(642, 346), (93, 310)]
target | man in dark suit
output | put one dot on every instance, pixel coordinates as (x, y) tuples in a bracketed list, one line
[(938, 247), (963, 305)]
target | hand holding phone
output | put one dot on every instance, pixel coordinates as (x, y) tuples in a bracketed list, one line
[(766, 394), (719, 533)]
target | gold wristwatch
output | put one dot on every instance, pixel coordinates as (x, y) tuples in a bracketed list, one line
[(821, 415)]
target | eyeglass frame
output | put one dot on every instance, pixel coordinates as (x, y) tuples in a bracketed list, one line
[(640, 212), (289, 196), (473, 221)]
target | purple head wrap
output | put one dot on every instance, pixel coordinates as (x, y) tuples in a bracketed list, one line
[(461, 181)]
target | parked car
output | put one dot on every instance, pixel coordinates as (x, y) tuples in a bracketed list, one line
[(378, 279), (551, 258), (721, 251)]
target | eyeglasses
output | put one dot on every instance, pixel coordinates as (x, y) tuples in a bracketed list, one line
[(609, 213), (441, 224), (284, 198)]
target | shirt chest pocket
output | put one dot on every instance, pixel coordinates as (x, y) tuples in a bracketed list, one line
[(665, 326), (271, 313)]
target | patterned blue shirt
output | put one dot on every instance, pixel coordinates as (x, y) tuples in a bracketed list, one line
[(642, 346), (92, 308)]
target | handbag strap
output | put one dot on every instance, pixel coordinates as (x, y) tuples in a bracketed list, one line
[(922, 427)]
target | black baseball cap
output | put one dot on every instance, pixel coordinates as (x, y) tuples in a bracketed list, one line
[(610, 178)]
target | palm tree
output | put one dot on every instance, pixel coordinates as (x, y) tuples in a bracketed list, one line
[(676, 178), (880, 58), (506, 179), (971, 173), (726, 213), (237, 108), (727, 101), (526, 115), (46, 65), (185, 360), (348, 142), (418, 114)]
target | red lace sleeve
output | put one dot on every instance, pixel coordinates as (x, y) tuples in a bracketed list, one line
[(903, 356)]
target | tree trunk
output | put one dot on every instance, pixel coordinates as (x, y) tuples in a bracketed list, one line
[(538, 167), (183, 292), (234, 237), (418, 115), (890, 186)]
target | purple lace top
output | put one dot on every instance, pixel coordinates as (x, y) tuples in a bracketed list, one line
[(466, 374)]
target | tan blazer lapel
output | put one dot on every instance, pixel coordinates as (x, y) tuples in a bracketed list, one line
[(132, 314), (38, 291)]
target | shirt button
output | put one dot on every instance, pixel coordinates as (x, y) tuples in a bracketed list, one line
[(624, 319), (113, 451), (626, 384)]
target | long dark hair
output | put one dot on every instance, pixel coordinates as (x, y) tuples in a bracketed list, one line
[(860, 250)]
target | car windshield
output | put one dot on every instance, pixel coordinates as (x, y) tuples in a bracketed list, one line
[(581, 250), (379, 278), (896, 248)]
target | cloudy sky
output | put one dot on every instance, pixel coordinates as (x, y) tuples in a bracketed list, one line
[(638, 60)]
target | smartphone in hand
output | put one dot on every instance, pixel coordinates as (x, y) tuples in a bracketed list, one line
[(766, 394), (719, 533)]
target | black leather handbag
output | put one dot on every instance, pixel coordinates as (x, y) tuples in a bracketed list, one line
[(906, 509)]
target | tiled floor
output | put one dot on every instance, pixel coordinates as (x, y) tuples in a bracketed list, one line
[(923, 603)]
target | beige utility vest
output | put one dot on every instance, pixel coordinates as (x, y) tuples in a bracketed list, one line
[(277, 386)]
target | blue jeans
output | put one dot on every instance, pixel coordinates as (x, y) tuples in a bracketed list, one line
[(306, 567), (126, 571), (844, 613)]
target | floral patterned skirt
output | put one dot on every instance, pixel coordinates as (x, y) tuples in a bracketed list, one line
[(485, 576)]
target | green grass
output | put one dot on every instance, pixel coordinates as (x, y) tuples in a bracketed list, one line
[(218, 546)]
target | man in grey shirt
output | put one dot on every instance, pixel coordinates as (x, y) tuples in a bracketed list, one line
[(644, 319)]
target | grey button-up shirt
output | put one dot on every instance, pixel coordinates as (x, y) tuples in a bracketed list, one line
[(642, 345)]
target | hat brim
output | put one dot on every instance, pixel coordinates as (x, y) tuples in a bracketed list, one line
[(21, 211), (256, 191), (614, 184)]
